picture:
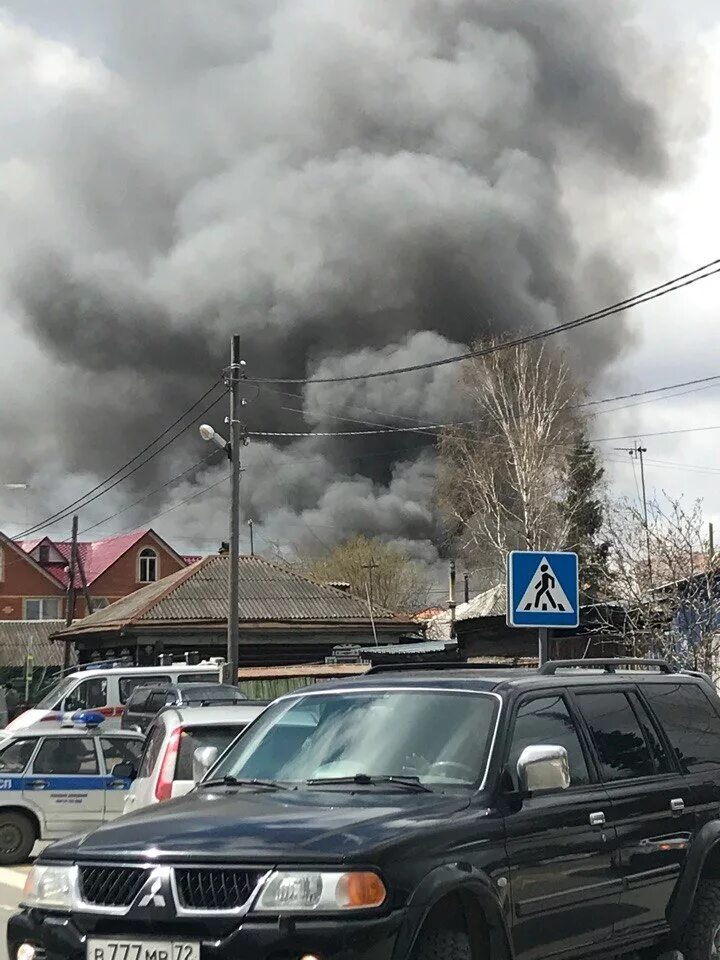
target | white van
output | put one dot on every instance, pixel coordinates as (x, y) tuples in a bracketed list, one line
[(107, 690)]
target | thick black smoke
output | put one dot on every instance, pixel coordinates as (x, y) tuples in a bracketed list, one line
[(347, 185)]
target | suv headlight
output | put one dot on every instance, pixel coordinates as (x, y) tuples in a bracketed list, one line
[(50, 887), (323, 891)]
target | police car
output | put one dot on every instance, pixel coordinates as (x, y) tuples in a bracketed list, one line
[(54, 783)]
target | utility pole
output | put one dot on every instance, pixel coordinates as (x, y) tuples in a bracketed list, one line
[(371, 567), (711, 544), (70, 602), (451, 601), (252, 542), (638, 451), (233, 634)]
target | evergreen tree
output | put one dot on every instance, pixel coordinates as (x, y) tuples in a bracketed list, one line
[(583, 510)]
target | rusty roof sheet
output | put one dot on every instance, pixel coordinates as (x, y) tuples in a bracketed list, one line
[(268, 592)]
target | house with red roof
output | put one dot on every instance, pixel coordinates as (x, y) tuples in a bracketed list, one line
[(35, 574)]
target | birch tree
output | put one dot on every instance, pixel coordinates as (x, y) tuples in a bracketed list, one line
[(503, 476)]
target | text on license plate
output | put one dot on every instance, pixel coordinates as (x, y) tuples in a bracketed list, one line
[(142, 950)]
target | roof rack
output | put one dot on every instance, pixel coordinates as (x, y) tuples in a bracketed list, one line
[(442, 665), (550, 668)]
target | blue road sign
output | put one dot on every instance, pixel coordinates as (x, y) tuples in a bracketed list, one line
[(542, 589)]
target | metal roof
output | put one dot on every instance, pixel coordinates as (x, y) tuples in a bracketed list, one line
[(269, 592), (20, 638)]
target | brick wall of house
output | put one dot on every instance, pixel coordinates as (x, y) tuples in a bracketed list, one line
[(121, 578), (21, 580)]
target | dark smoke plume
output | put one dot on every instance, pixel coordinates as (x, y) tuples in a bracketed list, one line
[(348, 185)]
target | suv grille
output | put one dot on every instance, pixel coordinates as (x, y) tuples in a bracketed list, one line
[(111, 886), (218, 889)]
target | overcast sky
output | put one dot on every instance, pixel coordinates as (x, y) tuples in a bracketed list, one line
[(60, 48)]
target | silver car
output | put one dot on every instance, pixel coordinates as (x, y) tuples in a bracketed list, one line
[(178, 733)]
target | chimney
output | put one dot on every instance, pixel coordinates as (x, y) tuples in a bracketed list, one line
[(224, 547)]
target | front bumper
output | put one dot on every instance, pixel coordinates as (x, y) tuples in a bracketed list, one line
[(62, 937)]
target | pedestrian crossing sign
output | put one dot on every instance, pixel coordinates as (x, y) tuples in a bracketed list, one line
[(542, 589)]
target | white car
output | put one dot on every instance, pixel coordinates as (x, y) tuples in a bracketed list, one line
[(166, 766), (107, 689), (55, 782)]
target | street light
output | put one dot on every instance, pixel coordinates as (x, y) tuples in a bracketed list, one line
[(209, 433)]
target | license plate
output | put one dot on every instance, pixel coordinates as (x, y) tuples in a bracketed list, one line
[(143, 950)]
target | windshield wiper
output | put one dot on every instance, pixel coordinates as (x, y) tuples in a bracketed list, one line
[(366, 780), (229, 781)]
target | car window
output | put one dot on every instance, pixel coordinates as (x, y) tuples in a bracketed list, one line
[(199, 693), (547, 720), (619, 740), (67, 756), (690, 721), (153, 745), (138, 700), (15, 755), (89, 694), (128, 684), (198, 678), (195, 738), (157, 700), (121, 750)]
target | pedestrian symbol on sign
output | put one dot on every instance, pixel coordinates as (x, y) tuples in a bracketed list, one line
[(543, 589), (544, 592)]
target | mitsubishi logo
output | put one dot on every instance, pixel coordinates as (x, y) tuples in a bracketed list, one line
[(153, 895)]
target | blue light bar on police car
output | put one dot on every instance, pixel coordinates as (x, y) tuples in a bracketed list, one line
[(88, 719)]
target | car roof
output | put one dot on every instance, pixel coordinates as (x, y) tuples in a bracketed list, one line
[(144, 671), (226, 714), (45, 730), (488, 680)]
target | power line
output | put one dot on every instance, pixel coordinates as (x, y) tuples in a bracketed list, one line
[(88, 497), (645, 393), (147, 496), (670, 286)]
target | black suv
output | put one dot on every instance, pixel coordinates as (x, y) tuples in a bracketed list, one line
[(146, 702), (458, 814)]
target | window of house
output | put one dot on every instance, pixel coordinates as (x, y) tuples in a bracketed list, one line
[(42, 608), (148, 572), (44, 554)]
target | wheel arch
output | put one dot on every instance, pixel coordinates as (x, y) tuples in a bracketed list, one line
[(457, 893), (702, 862), (26, 812)]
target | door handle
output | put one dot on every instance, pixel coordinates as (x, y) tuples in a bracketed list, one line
[(677, 806), (597, 819), (118, 785), (38, 784)]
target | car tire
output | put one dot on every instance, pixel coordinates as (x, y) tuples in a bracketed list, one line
[(443, 945), (701, 940), (17, 838)]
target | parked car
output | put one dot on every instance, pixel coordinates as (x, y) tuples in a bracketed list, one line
[(55, 782), (448, 812), (107, 689), (146, 702), (168, 764)]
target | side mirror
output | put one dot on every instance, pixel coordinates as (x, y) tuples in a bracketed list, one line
[(124, 771), (543, 768), (203, 759)]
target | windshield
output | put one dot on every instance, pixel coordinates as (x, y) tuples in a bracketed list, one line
[(440, 738), (52, 699)]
